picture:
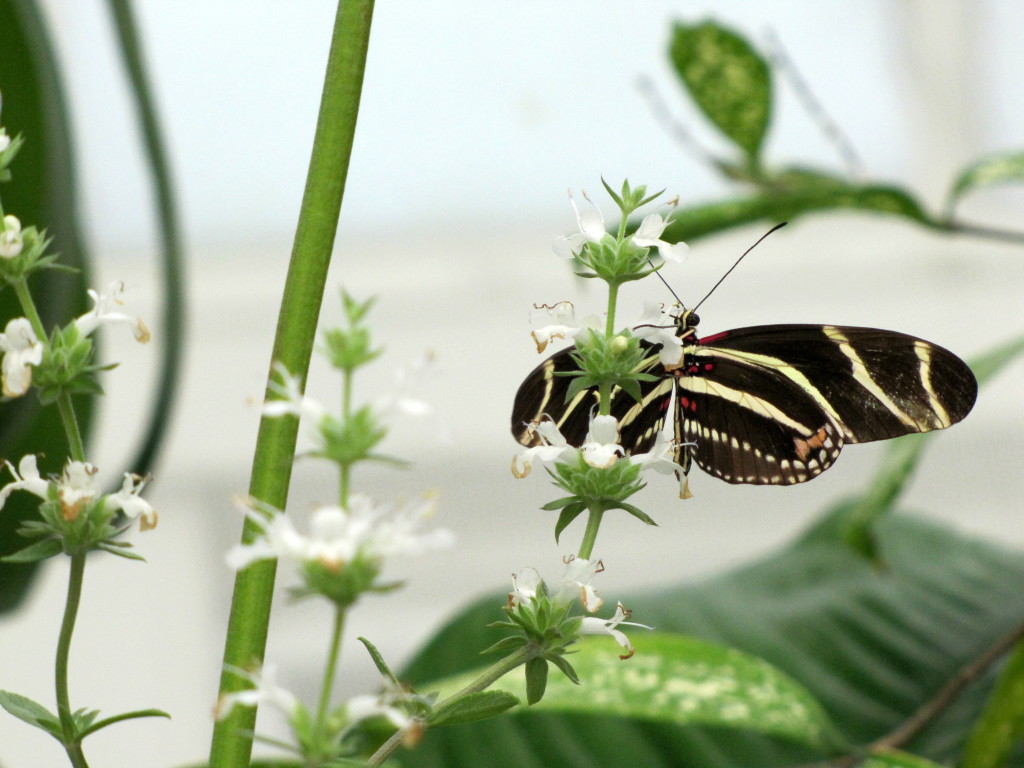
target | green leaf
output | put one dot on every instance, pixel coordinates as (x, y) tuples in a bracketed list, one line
[(536, 679), (475, 706), (994, 169), (88, 726), (728, 80), (42, 193), (378, 660), (897, 760), (872, 646), (33, 553), (28, 711), (682, 680), (1001, 725)]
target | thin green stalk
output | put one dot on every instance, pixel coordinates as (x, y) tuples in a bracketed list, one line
[(487, 678), (28, 306), (67, 628), (76, 447), (590, 534), (246, 635), (333, 653), (172, 263)]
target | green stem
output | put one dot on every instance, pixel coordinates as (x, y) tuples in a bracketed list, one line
[(172, 263), (246, 634), (67, 416), (590, 535), (28, 306), (72, 744), (493, 673), (613, 300), (346, 413), (329, 673)]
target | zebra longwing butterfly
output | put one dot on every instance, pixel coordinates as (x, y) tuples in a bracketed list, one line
[(769, 404)]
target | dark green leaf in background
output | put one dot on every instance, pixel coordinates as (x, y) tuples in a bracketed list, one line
[(728, 80), (41, 193)]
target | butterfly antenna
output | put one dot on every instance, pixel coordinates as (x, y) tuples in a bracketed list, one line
[(761, 238), (662, 278)]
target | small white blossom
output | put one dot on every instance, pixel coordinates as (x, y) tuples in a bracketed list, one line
[(76, 487), (22, 350), (369, 706), (132, 504), (592, 229), (407, 381), (265, 690), (551, 448), (524, 586), (601, 448), (26, 478), (578, 574), (662, 456), (11, 241), (649, 236), (101, 314), (565, 325), (591, 625), (5, 140), (654, 329), (338, 535)]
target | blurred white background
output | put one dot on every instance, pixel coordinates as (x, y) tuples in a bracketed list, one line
[(475, 119)]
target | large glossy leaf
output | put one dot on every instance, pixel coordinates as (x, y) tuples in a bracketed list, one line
[(871, 644), (42, 194)]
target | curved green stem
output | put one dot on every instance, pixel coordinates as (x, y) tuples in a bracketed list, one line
[(173, 330), (293, 344), (490, 675), (28, 306), (71, 739)]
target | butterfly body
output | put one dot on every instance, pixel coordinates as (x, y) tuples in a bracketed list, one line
[(771, 404)]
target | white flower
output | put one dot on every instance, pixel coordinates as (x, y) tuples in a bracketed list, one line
[(662, 456), (369, 706), (591, 625), (290, 401), (132, 504), (565, 324), (524, 586), (5, 140), (407, 380), (578, 573), (338, 535), (26, 478), (591, 224), (101, 314), (654, 329), (265, 690), (649, 236), (551, 448), (76, 488), (11, 241), (22, 350), (601, 448)]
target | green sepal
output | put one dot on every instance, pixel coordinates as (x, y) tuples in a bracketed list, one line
[(565, 668), (536, 680), (506, 644), (87, 726), (119, 548), (33, 553), (551, 506), (378, 660), (728, 80), (638, 513), (569, 514), (474, 706), (31, 712)]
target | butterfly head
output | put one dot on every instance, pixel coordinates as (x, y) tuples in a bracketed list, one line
[(686, 322)]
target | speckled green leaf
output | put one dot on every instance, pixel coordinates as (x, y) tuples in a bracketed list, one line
[(681, 680), (41, 193), (994, 169), (728, 80)]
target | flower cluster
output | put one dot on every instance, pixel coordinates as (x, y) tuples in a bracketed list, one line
[(75, 515)]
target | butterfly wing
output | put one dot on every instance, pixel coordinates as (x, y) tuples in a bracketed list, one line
[(775, 404), (543, 393)]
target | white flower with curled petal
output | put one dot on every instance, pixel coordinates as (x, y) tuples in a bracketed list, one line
[(22, 350), (11, 241), (132, 504), (648, 235), (591, 625), (552, 447), (601, 448), (26, 478), (565, 323), (592, 230), (654, 329), (661, 457), (578, 574), (76, 487), (101, 314)]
